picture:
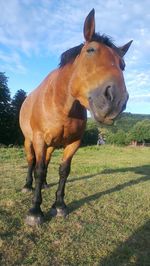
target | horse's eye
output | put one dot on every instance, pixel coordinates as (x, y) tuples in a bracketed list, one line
[(90, 50)]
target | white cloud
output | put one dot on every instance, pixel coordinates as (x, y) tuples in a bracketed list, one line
[(138, 85), (12, 61), (29, 27), (44, 27), (140, 98)]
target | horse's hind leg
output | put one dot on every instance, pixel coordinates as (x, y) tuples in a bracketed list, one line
[(35, 214), (59, 207), (49, 152), (31, 164)]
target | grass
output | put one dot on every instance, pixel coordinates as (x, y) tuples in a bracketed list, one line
[(108, 199)]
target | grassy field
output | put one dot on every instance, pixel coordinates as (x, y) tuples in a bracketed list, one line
[(108, 196)]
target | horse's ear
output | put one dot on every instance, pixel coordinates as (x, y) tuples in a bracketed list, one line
[(89, 26), (123, 49)]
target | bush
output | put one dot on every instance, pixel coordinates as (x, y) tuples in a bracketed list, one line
[(90, 136), (118, 138), (141, 131)]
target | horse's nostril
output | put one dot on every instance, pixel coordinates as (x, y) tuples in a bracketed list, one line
[(109, 93)]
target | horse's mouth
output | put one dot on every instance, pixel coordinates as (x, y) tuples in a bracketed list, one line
[(97, 115), (100, 119), (106, 121)]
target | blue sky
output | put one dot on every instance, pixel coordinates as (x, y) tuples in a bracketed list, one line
[(33, 34)]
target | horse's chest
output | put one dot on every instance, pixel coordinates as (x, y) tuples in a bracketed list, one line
[(68, 132), (73, 129)]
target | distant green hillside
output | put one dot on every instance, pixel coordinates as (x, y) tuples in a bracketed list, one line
[(125, 122)]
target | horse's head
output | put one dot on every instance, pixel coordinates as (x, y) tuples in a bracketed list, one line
[(97, 80)]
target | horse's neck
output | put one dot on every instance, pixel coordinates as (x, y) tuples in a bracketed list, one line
[(60, 85)]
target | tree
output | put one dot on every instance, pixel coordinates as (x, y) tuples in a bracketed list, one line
[(5, 110), (121, 137), (141, 131), (118, 138), (90, 136), (10, 132), (4, 90), (16, 105)]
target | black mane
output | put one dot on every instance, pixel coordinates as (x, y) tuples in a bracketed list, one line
[(70, 55)]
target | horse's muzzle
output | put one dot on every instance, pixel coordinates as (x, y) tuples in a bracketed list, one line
[(106, 104)]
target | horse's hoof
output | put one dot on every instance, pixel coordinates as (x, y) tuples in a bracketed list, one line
[(27, 189), (34, 218), (58, 212), (45, 186)]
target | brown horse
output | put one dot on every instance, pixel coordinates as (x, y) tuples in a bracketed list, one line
[(89, 77)]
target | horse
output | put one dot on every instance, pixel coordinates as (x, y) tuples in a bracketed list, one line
[(89, 77)]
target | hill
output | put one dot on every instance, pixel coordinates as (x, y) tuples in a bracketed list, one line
[(119, 133), (124, 122)]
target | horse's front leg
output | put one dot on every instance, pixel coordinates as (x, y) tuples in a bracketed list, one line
[(35, 215), (59, 207)]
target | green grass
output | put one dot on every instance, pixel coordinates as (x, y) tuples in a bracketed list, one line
[(109, 202)]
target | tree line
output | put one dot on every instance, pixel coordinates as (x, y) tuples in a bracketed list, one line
[(127, 129), (10, 132), (139, 134)]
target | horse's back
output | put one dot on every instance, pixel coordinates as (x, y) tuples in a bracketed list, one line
[(51, 111), (32, 104)]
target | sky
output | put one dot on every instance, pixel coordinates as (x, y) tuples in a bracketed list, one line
[(34, 33)]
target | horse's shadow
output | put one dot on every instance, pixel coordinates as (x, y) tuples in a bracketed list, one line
[(137, 246), (72, 180), (144, 169), (141, 170)]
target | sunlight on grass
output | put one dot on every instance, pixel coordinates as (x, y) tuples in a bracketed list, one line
[(107, 194)]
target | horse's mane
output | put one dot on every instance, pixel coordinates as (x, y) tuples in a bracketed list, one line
[(70, 55)]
